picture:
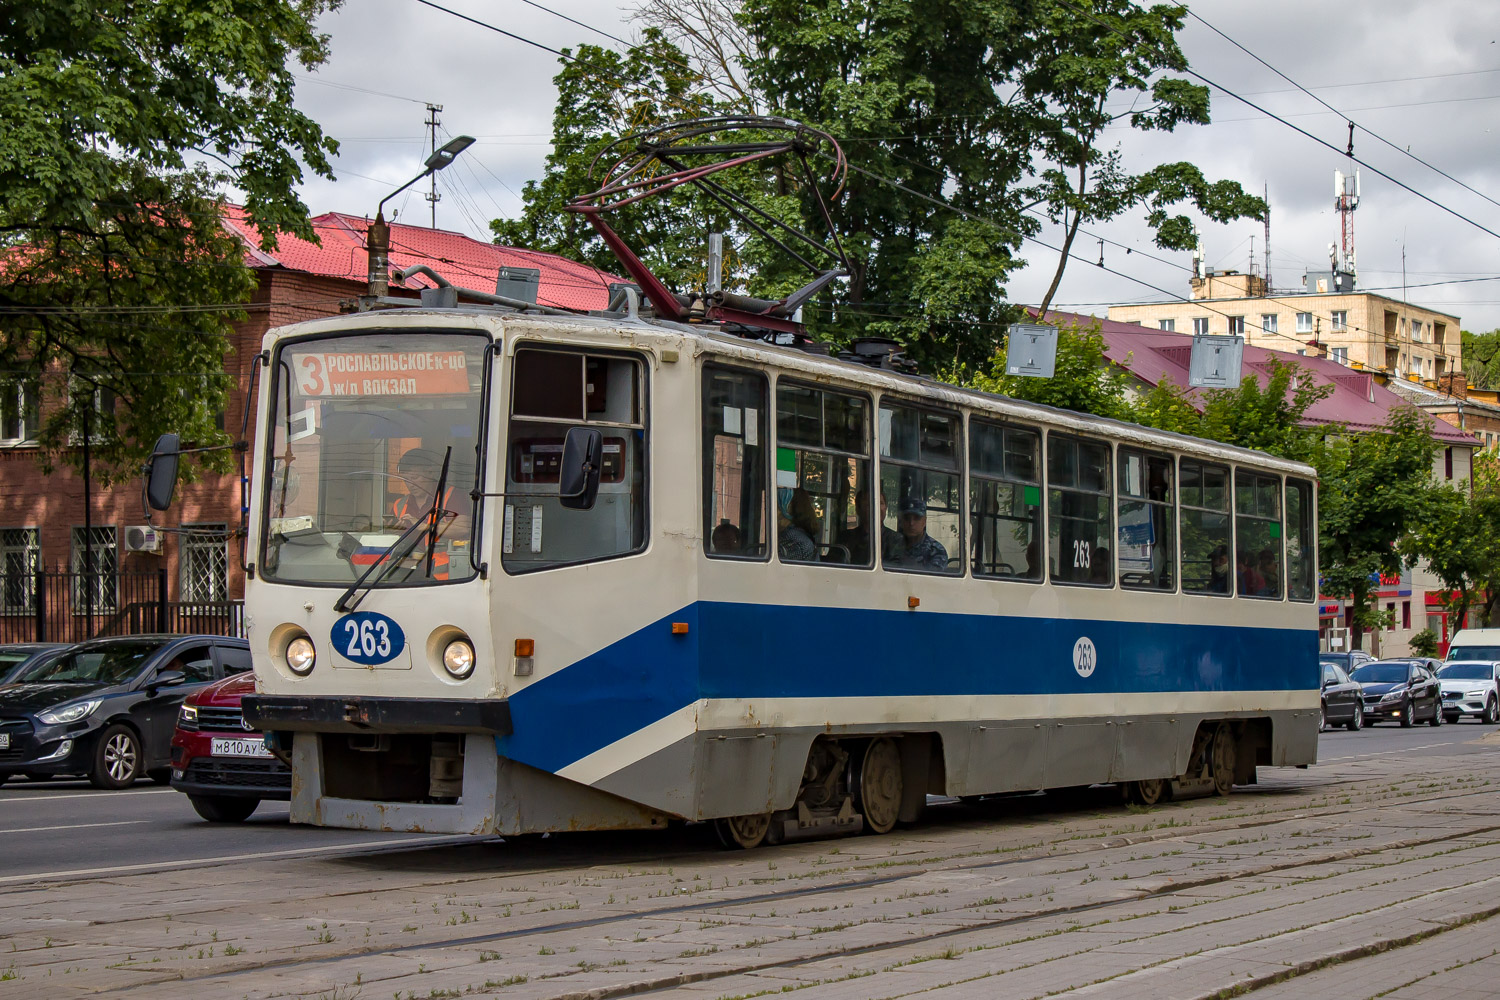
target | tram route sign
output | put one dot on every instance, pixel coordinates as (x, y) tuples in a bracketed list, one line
[(1031, 350)]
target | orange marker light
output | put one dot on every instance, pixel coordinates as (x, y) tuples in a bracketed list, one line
[(912, 602), (679, 628), (525, 647)]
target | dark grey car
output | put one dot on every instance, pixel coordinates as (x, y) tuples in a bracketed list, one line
[(106, 709)]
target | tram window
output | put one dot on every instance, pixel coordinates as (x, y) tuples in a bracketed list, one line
[(1203, 496), (1257, 529), (1005, 501), (551, 391), (1301, 543), (823, 504), (1078, 511), (734, 463), (1145, 547), (921, 510)]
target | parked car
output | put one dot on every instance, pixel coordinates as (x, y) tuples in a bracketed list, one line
[(1472, 688), (18, 658), (1475, 644), (1349, 661), (1405, 690), (219, 760), (1343, 702), (107, 708)]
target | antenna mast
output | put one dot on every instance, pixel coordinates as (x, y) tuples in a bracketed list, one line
[(1266, 197), (432, 127), (1345, 201)]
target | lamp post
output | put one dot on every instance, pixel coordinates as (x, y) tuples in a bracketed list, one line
[(378, 236)]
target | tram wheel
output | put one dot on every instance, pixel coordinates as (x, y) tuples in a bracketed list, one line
[(880, 785), (745, 832), (1222, 762), (1148, 791)]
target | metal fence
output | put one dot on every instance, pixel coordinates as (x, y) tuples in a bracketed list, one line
[(56, 606)]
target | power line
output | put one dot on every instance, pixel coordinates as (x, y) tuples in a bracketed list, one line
[(570, 20)]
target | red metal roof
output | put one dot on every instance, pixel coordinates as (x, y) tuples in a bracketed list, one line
[(1357, 401), (465, 262)]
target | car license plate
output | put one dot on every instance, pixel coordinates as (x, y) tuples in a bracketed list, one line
[(4, 741), (239, 748)]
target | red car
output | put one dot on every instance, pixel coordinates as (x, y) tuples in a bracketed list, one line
[(220, 762)]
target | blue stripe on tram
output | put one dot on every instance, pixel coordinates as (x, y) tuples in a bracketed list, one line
[(754, 651)]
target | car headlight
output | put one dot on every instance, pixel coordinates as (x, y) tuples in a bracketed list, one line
[(1391, 696), (458, 658), (72, 713), (300, 655), (189, 715)]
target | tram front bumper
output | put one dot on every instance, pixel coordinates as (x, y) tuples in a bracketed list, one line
[(333, 714)]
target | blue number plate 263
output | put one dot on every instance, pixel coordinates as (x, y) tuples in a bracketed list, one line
[(368, 638)]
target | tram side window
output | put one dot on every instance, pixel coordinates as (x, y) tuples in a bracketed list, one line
[(1203, 495), (551, 391), (1005, 501), (1257, 530), (1078, 511), (1145, 547), (1301, 543), (734, 463), (920, 507), (824, 512)]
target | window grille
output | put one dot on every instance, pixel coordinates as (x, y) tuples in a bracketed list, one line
[(20, 552), (204, 565), (97, 588)]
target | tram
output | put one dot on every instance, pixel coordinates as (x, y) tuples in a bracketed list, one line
[(515, 573)]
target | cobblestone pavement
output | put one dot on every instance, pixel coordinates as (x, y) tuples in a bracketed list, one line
[(1375, 876)]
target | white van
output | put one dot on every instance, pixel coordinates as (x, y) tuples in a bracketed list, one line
[(1475, 644)]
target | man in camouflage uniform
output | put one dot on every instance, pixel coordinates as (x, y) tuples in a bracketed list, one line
[(915, 549)]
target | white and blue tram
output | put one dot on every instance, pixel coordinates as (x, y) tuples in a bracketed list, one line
[(516, 573)]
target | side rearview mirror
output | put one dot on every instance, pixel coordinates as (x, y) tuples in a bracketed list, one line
[(161, 472), (168, 678), (582, 459)]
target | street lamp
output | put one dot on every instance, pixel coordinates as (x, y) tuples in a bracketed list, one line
[(378, 236)]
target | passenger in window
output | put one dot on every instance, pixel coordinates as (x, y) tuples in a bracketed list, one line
[(914, 547), (1218, 580), (856, 540), (1033, 560), (1271, 580), (799, 525), (726, 538), (1099, 568), (1250, 580)]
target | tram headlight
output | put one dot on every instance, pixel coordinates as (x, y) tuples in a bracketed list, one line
[(300, 656), (458, 658)]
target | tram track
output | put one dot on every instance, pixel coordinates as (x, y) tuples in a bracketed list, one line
[(919, 868)]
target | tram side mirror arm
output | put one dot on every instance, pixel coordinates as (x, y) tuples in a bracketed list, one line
[(582, 457), (161, 472)]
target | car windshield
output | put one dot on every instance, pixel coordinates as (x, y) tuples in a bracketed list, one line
[(1467, 672), (1381, 673), (367, 429), (115, 663), (1474, 653), (10, 657)]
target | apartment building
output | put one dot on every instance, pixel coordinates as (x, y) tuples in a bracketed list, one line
[(1361, 330)]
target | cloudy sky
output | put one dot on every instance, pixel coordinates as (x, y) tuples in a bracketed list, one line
[(1423, 76)]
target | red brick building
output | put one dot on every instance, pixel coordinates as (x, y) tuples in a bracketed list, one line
[(42, 515)]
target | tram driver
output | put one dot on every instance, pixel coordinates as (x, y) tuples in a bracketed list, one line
[(421, 469), (914, 547)]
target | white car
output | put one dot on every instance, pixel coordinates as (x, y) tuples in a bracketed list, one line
[(1471, 688)]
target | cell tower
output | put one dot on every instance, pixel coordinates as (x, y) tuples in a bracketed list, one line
[(1345, 201)]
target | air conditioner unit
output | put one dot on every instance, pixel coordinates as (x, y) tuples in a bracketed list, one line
[(142, 538)]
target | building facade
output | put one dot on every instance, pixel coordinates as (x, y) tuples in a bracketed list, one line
[(1361, 330)]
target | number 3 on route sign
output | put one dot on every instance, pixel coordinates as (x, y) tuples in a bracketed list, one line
[(368, 638), (1085, 657)]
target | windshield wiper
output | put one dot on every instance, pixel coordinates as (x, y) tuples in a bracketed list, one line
[(428, 521)]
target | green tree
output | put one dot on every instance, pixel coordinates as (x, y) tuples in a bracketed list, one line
[(1482, 358), (1458, 535), (1374, 488), (119, 276)]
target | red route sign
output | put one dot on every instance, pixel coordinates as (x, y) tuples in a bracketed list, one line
[(386, 373)]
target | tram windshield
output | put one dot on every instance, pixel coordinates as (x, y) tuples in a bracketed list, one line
[(374, 435)]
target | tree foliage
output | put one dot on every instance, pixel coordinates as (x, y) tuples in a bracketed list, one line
[(1482, 358), (1458, 535), (118, 272)]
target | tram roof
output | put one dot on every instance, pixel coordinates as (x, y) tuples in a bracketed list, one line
[(815, 367)]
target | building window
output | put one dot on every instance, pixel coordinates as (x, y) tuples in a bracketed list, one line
[(204, 563), (1406, 614), (1339, 319), (1236, 324), (1416, 330), (1200, 325), (1304, 322), (20, 553), (1169, 325), (18, 412), (1340, 354), (1268, 322), (94, 571), (1448, 462), (1390, 616)]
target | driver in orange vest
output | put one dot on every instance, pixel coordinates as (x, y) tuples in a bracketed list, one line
[(421, 469)]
